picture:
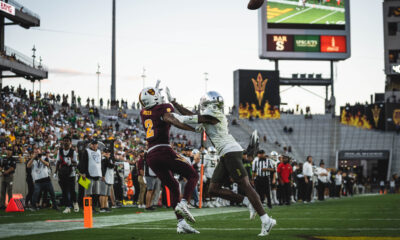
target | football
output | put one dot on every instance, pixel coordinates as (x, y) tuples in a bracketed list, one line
[(255, 4)]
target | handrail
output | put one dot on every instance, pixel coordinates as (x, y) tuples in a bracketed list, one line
[(21, 8), (9, 52)]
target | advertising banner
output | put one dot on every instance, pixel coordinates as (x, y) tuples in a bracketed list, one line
[(332, 44), (306, 43), (5, 7), (281, 43)]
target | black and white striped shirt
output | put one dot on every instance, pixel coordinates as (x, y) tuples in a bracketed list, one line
[(259, 164)]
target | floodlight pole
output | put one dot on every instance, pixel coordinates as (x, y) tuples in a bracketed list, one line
[(206, 80), (333, 100), (144, 77), (113, 80), (98, 83)]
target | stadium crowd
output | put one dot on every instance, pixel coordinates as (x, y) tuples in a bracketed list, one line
[(67, 142)]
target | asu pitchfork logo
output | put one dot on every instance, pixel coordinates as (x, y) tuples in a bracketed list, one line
[(259, 87)]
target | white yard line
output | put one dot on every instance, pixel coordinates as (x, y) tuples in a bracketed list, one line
[(247, 229), (38, 227), (311, 5), (303, 11), (324, 17)]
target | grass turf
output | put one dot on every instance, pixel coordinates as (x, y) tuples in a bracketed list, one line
[(373, 216), (279, 11)]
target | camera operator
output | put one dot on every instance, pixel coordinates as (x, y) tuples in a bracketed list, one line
[(40, 175), (107, 179), (90, 167), (66, 162), (7, 168)]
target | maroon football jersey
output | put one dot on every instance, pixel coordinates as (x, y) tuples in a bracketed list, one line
[(157, 130)]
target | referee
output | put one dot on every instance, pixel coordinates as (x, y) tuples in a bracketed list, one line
[(262, 169)]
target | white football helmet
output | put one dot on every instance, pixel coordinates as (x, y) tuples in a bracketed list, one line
[(212, 150), (212, 100), (149, 97), (274, 155), (195, 151)]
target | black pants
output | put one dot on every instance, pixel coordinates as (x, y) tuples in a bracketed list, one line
[(321, 190), (31, 187), (118, 191), (263, 188), (137, 187), (309, 188), (301, 189), (67, 186), (45, 187), (285, 193), (337, 190)]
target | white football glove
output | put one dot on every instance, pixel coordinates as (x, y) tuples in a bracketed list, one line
[(169, 96)]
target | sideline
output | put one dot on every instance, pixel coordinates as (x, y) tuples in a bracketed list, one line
[(39, 227)]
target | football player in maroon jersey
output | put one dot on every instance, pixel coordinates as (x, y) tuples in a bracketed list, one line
[(157, 119)]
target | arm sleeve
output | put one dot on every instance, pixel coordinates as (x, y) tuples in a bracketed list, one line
[(103, 166), (253, 167), (83, 165)]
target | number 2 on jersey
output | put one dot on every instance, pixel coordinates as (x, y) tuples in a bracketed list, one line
[(148, 124)]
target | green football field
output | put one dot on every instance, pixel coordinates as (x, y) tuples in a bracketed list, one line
[(287, 13), (357, 218)]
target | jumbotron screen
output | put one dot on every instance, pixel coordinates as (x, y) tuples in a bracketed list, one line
[(306, 14)]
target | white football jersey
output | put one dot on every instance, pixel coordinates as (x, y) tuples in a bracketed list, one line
[(210, 162), (219, 134)]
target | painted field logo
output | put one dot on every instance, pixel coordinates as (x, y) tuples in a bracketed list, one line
[(259, 87)]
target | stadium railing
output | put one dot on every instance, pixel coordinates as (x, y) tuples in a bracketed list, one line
[(24, 59)]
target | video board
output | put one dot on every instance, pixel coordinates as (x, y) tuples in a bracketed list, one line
[(312, 29), (256, 93)]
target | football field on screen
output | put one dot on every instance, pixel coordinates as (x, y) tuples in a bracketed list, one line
[(278, 12), (357, 218)]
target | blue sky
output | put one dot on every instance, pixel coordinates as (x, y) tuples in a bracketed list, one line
[(177, 41)]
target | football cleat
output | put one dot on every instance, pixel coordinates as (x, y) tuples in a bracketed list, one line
[(67, 210), (182, 209), (266, 227), (255, 4), (184, 228), (76, 207)]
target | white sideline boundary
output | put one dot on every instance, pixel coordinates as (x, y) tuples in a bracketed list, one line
[(39, 227), (251, 229)]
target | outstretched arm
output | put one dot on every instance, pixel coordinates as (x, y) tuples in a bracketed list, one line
[(196, 119), (181, 109), (169, 118)]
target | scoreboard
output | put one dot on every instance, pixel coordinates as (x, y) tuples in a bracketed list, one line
[(307, 30)]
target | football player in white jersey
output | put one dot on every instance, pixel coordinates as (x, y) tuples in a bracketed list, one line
[(210, 162), (215, 124), (274, 184)]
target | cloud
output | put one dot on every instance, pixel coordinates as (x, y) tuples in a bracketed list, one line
[(76, 73)]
